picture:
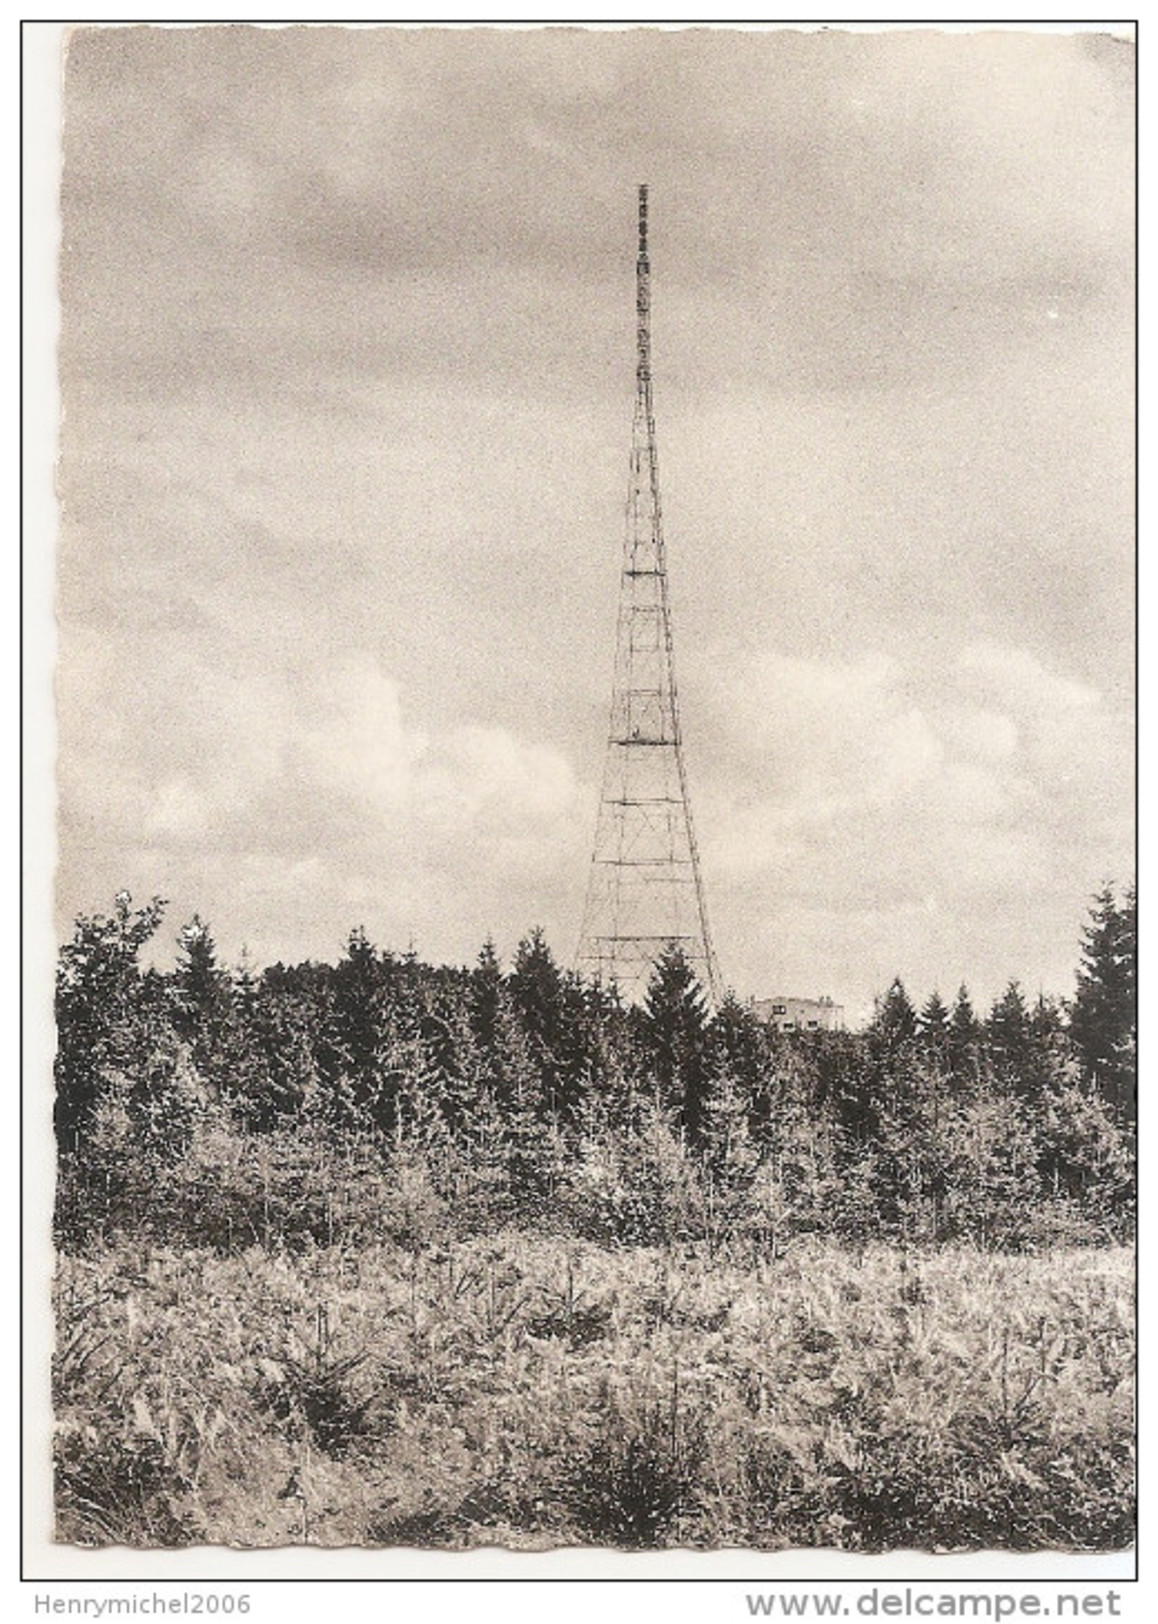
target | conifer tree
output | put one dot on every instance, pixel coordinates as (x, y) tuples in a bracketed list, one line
[(964, 1036), (202, 998), (1009, 1037), (933, 1025), (485, 996), (358, 1088), (536, 991), (895, 1020), (267, 1055), (1104, 1014), (102, 1018), (676, 1033), (739, 1042)]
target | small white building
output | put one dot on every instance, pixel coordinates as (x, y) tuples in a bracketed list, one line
[(800, 1014)]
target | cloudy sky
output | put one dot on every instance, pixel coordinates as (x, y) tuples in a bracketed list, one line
[(347, 367)]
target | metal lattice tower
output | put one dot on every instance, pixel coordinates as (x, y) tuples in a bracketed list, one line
[(645, 891)]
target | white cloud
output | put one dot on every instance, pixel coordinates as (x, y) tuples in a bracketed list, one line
[(177, 811), (485, 780), (986, 734), (903, 809), (465, 782), (312, 796), (358, 743), (831, 737), (1019, 679)]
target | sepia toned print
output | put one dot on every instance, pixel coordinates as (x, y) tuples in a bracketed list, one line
[(458, 1145)]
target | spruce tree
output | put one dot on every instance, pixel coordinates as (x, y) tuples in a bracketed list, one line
[(1104, 1014), (676, 1035), (895, 1020), (739, 1042), (485, 996), (536, 991), (1009, 1037), (359, 1090), (933, 1024), (202, 998), (964, 1036)]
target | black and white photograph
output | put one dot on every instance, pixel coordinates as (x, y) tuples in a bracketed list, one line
[(595, 812)]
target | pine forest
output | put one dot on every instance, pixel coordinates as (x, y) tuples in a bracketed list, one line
[(388, 1253)]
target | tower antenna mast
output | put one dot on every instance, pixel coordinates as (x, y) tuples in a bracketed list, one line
[(645, 893)]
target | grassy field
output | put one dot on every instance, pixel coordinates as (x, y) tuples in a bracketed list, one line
[(534, 1392)]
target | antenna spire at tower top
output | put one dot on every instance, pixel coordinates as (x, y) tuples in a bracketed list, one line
[(643, 308)]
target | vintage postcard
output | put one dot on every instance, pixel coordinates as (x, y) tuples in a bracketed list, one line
[(506, 1100)]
